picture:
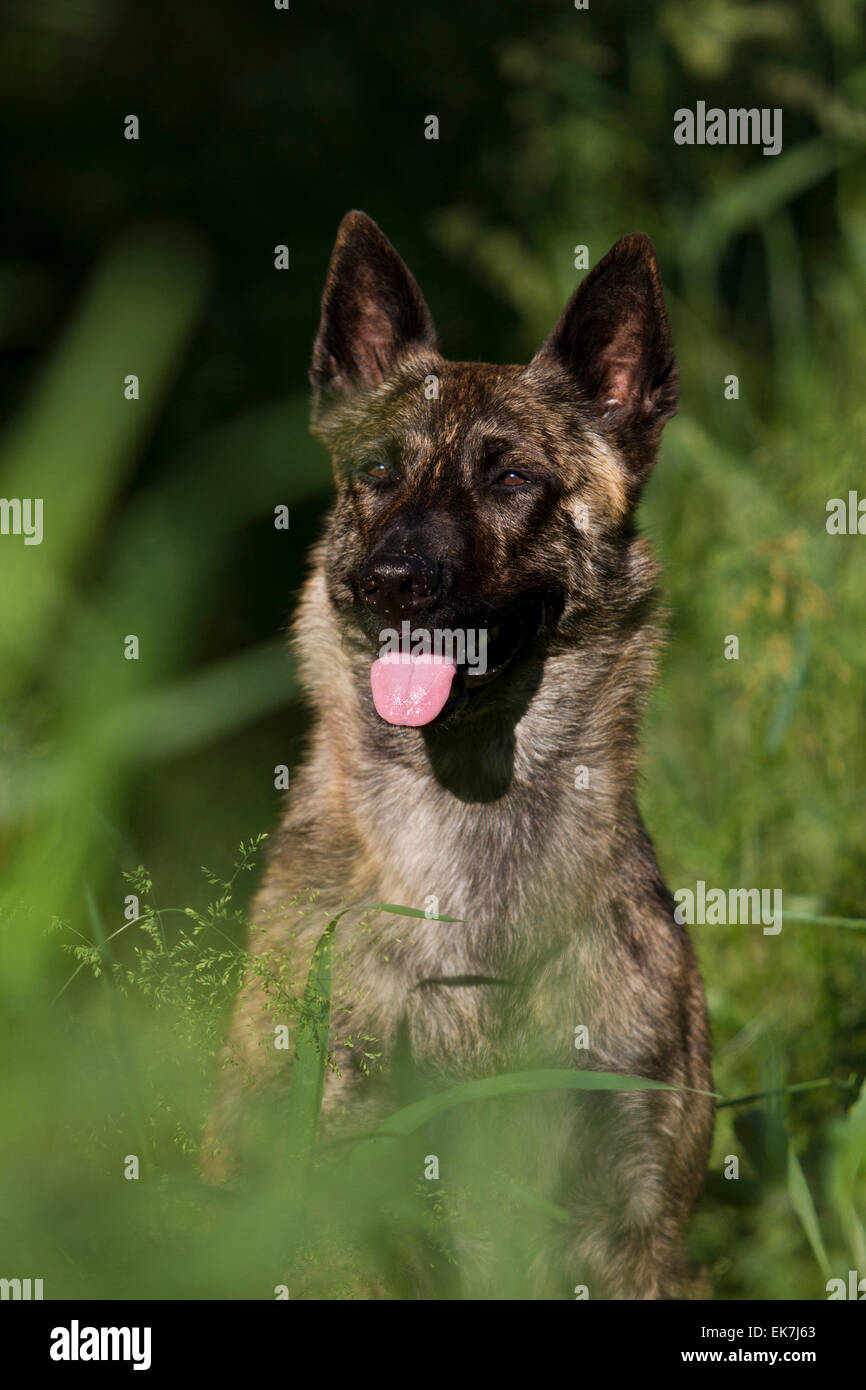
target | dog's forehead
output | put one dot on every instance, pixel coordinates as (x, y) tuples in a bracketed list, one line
[(443, 419), (461, 408)]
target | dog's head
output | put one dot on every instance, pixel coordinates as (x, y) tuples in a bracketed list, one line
[(484, 513)]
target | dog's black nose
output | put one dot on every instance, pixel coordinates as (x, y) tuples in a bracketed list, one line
[(399, 586)]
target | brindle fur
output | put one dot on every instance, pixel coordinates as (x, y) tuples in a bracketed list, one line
[(558, 886)]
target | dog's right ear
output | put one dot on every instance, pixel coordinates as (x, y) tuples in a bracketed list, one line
[(372, 311), (614, 341)]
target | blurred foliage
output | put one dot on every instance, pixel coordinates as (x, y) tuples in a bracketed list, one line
[(156, 257)]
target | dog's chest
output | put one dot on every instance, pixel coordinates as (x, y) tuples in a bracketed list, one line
[(481, 861), (510, 870)]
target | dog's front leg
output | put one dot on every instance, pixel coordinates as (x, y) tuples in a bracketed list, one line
[(638, 1166)]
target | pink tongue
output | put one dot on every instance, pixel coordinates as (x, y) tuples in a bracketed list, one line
[(410, 690)]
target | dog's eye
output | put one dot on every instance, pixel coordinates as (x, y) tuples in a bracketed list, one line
[(512, 479), (380, 471)]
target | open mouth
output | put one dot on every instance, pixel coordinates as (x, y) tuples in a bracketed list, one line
[(412, 688)]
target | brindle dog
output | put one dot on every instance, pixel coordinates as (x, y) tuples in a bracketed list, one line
[(495, 498)]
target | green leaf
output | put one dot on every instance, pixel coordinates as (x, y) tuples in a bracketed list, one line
[(801, 1201), (847, 1174), (407, 1120), (852, 923), (406, 912), (311, 1050), (791, 1090)]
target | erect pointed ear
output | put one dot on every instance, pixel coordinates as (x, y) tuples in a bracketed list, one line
[(614, 338), (372, 310)]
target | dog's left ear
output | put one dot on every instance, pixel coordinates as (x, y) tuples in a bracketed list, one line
[(372, 311), (613, 337)]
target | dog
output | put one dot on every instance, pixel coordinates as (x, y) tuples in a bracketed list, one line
[(494, 500)]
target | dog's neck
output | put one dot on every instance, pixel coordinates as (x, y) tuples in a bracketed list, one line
[(541, 780)]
